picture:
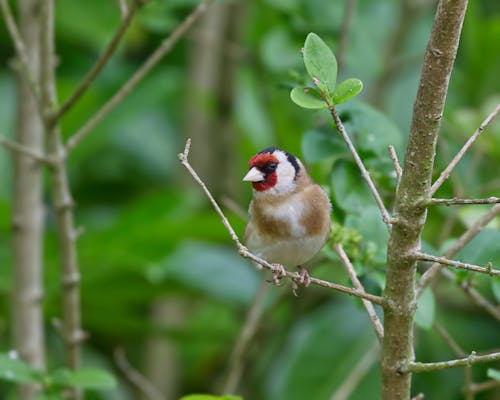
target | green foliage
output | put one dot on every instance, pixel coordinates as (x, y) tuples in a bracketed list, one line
[(14, 370), (494, 374), (307, 97), (320, 63), (424, 316), (346, 90)]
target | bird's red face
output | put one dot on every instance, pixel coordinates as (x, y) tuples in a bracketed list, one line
[(262, 172)]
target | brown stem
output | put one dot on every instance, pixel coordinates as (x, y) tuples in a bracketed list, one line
[(452, 202), (410, 216)]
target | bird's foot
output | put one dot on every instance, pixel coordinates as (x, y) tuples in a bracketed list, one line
[(278, 273), (304, 278)]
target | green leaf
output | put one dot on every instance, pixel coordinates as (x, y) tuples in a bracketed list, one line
[(307, 97), (424, 316), (12, 369), (346, 90), (209, 397), (495, 286), (493, 374), (320, 63), (85, 378)]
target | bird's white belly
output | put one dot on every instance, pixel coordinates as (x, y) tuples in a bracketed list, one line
[(291, 252)]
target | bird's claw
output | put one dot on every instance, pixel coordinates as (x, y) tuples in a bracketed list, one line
[(278, 273), (304, 278)]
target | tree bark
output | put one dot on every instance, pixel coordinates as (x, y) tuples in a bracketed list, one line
[(409, 212), (71, 330), (28, 210)]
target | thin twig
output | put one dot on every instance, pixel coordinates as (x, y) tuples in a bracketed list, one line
[(447, 171), (152, 60), (244, 252), (123, 8), (457, 264), (439, 366), (20, 49), (350, 383), (99, 64), (455, 201), (13, 146), (236, 361), (459, 244), (395, 161), (364, 172), (474, 295), (135, 377), (377, 325), (483, 386)]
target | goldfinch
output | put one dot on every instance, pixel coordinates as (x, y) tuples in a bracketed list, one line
[(289, 215)]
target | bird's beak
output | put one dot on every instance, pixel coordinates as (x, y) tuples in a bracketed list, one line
[(254, 175)]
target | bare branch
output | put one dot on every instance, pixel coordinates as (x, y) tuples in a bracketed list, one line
[(294, 276), (135, 377), (123, 8), (153, 59), (20, 48), (447, 171), (455, 201), (459, 244), (483, 386), (364, 172), (395, 161), (99, 64), (457, 264), (34, 154), (462, 362), (377, 325)]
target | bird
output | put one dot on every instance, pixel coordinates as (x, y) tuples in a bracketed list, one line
[(289, 214)]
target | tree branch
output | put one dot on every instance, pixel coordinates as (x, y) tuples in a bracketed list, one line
[(439, 366), (364, 172), (21, 149), (395, 161), (459, 244), (20, 49), (447, 171), (135, 377), (455, 201), (243, 251), (153, 59), (377, 325), (457, 264), (100, 63)]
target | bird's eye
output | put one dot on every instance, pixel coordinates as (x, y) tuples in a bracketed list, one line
[(271, 166)]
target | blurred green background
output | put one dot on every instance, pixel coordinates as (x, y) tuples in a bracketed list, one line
[(160, 277)]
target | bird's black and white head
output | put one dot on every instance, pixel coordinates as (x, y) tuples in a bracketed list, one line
[(273, 171)]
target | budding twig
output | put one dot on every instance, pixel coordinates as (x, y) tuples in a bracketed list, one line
[(438, 366), (455, 201), (244, 252), (447, 171), (457, 264)]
